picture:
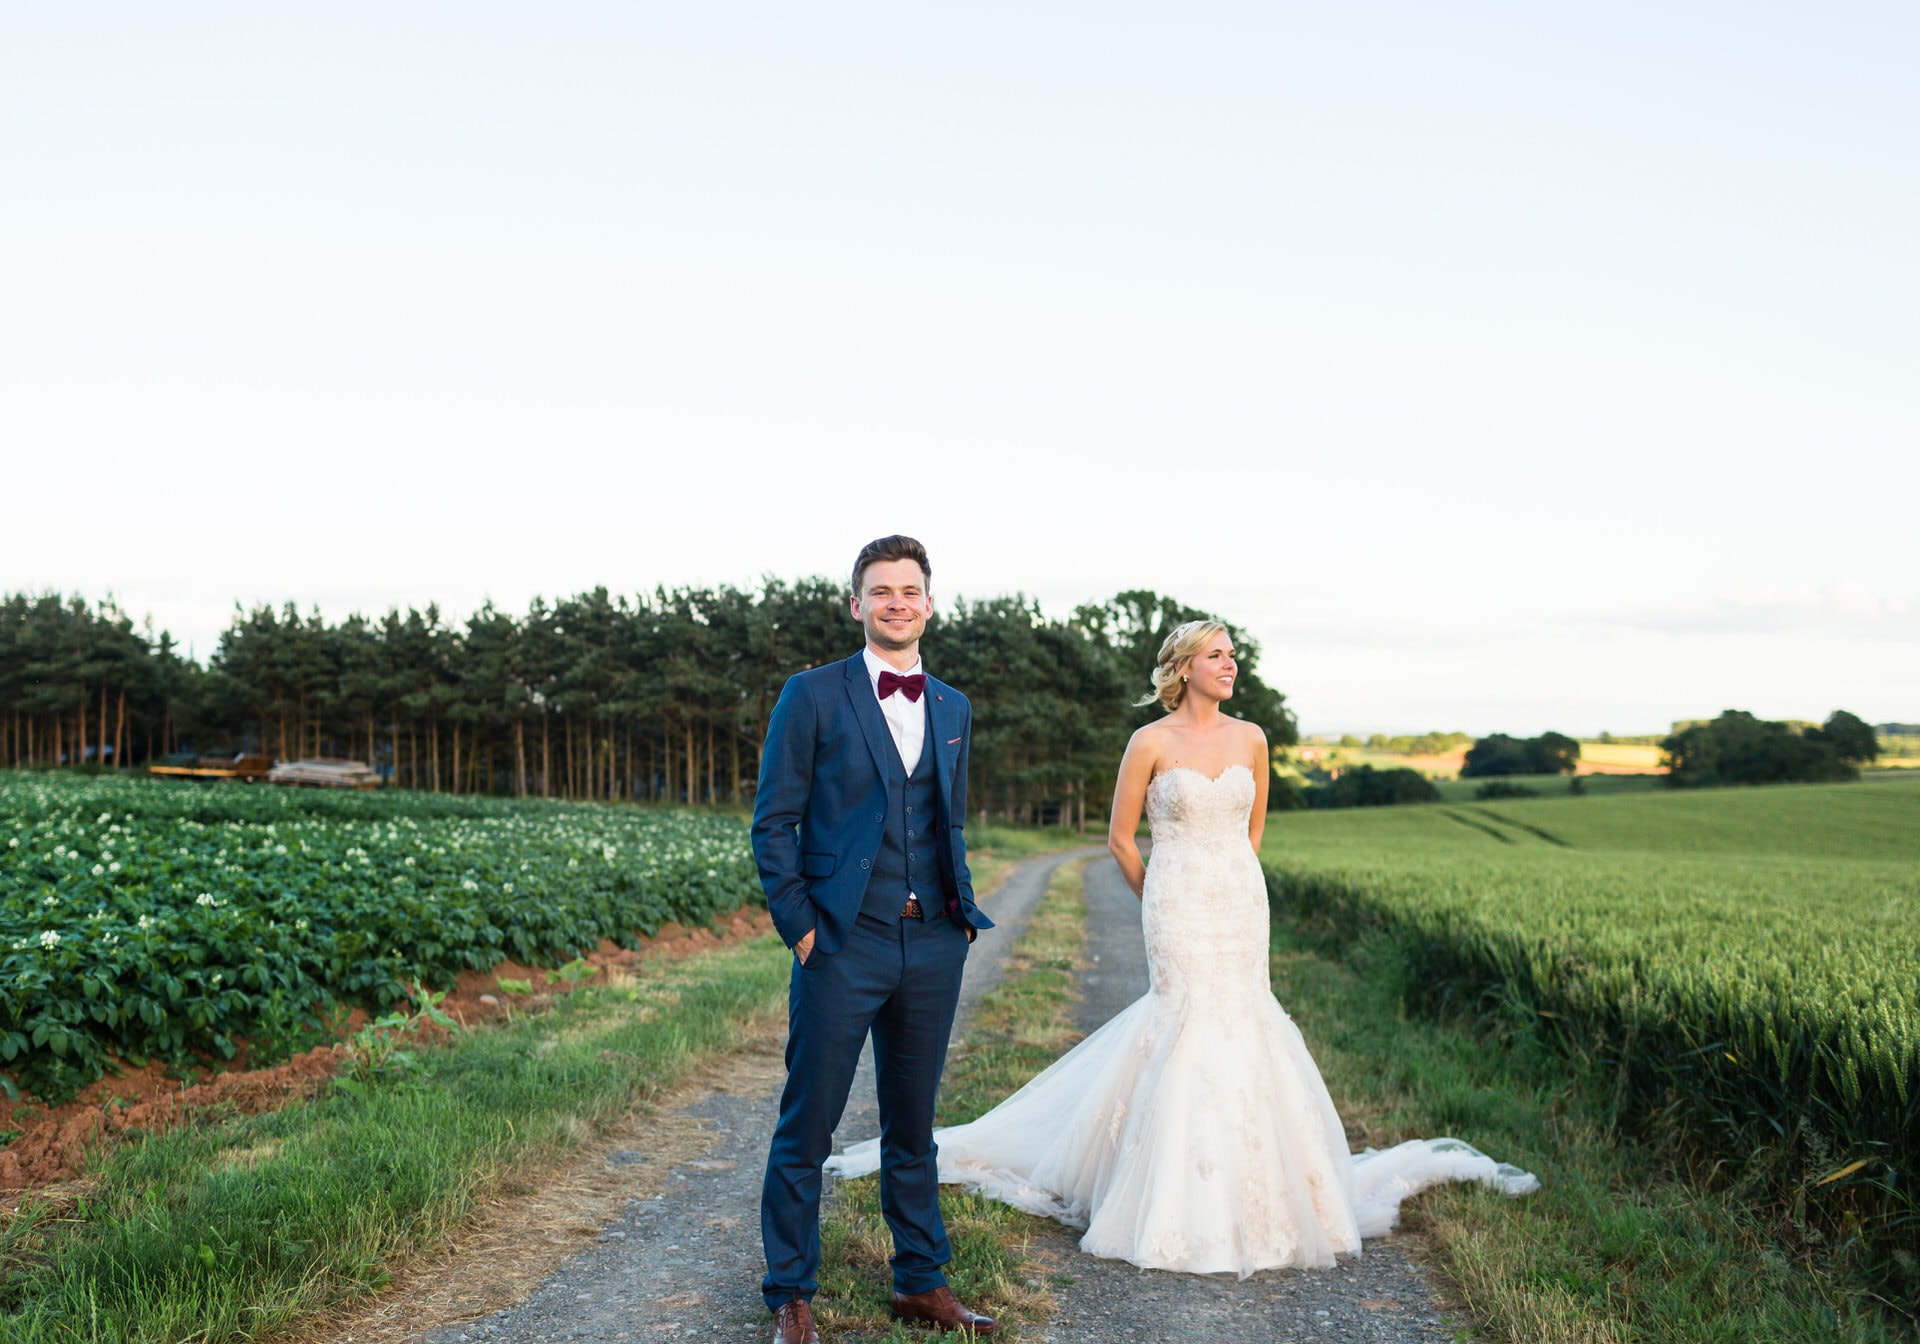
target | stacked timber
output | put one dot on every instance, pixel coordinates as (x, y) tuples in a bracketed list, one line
[(324, 772)]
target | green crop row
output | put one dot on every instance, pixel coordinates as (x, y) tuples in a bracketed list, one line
[(145, 919), (1740, 967)]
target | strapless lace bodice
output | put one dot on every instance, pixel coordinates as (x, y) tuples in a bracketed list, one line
[(1185, 806), (1205, 905)]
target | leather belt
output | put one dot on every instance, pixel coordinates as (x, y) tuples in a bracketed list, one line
[(911, 910)]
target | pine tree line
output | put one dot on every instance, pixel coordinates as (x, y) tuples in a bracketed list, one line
[(660, 697)]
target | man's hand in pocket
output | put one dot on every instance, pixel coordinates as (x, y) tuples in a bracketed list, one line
[(803, 947)]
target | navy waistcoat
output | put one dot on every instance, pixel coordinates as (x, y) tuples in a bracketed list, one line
[(907, 861)]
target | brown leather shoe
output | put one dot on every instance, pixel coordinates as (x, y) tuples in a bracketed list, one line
[(793, 1323), (939, 1308)]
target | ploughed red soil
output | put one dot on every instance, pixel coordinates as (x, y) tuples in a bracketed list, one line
[(56, 1141)]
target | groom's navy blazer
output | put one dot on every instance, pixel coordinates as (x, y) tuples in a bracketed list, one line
[(824, 771)]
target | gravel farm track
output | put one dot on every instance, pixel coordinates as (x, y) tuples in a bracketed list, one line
[(654, 1233)]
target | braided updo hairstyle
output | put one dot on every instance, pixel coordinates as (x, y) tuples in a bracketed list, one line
[(1177, 652)]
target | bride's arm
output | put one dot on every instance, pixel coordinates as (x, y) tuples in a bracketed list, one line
[(1262, 777), (1129, 796)]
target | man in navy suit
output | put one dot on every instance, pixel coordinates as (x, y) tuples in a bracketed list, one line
[(857, 832)]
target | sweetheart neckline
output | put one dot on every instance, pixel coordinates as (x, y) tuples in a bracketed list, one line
[(1211, 779)]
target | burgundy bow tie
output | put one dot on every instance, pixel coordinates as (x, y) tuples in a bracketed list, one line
[(912, 686)]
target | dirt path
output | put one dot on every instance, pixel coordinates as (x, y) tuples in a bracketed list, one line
[(1380, 1298), (681, 1258), (658, 1237)]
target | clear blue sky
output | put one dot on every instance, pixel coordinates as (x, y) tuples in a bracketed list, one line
[(1498, 365)]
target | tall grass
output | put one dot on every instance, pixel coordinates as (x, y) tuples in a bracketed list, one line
[(1741, 967), (1612, 1248)]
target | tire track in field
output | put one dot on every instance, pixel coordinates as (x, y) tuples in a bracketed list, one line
[(1479, 826)]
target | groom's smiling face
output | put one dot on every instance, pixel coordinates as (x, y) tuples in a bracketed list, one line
[(892, 604)]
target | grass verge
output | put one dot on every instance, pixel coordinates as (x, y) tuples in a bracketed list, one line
[(1017, 1029), (1615, 1246), (234, 1227)]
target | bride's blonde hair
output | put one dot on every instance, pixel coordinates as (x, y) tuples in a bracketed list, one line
[(1177, 652)]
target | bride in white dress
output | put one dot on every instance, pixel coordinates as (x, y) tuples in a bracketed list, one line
[(1192, 1131)]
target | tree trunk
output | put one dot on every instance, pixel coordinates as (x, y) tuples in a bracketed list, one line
[(520, 755), (546, 775), (455, 780), (120, 732), (692, 761), (80, 730), (101, 731), (569, 756)]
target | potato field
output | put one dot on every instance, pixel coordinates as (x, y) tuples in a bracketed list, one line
[(155, 920)]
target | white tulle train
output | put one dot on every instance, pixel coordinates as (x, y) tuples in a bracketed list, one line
[(1131, 1137)]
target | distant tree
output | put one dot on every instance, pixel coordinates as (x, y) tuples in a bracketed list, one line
[(1552, 754), (1738, 748), (1365, 786), (1852, 739), (1498, 754)]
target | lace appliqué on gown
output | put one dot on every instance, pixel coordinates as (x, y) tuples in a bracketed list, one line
[(1192, 1131)]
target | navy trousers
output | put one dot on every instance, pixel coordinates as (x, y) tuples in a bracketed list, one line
[(901, 981)]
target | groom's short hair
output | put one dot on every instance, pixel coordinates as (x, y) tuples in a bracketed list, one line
[(890, 548)]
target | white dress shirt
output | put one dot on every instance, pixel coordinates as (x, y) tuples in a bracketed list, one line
[(906, 719)]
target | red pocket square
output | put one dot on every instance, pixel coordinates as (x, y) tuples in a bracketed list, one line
[(952, 740)]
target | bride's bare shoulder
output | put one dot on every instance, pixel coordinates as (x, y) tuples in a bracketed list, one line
[(1149, 737), (1146, 745), (1251, 743)]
